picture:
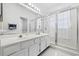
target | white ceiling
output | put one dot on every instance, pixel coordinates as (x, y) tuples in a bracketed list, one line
[(47, 8)]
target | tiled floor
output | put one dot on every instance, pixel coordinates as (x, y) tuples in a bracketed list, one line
[(56, 52)]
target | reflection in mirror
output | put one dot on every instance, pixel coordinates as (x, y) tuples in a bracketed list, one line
[(32, 25), (1, 28), (38, 26), (35, 26), (1, 19), (24, 24)]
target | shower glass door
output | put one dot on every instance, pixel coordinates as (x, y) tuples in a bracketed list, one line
[(67, 29)]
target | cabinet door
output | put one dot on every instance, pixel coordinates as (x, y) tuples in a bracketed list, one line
[(47, 41), (34, 50), (43, 43)]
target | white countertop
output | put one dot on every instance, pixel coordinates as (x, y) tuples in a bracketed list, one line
[(6, 40)]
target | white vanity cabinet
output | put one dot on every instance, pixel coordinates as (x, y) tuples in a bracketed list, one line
[(28, 46)]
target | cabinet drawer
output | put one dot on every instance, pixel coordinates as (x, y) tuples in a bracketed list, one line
[(26, 44), (11, 49), (23, 52)]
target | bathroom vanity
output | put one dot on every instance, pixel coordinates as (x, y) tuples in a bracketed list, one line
[(30, 41), (27, 44)]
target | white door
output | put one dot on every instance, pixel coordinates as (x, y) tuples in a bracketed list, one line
[(67, 29)]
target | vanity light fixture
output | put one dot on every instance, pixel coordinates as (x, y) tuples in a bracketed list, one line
[(31, 7)]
